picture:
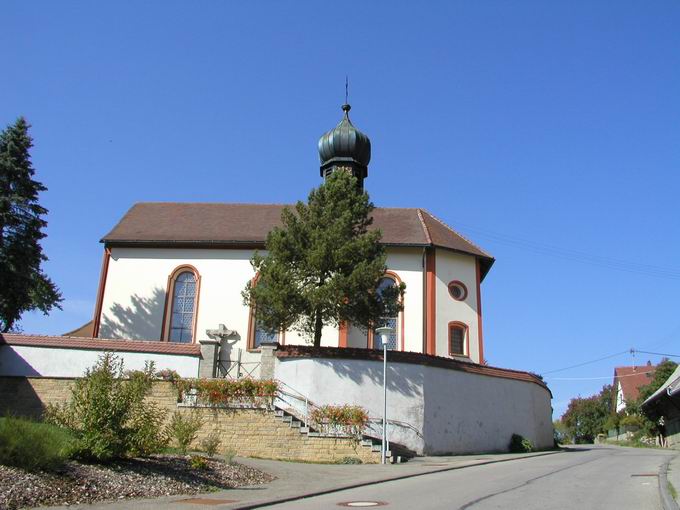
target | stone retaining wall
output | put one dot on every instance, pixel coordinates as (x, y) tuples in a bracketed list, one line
[(246, 431)]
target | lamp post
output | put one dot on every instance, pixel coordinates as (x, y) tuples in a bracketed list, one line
[(384, 333)]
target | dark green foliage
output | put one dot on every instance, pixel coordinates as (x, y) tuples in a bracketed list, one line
[(183, 428), (24, 286), (646, 426), (587, 417), (323, 265), (198, 462), (661, 374), (520, 444), (33, 446), (108, 414)]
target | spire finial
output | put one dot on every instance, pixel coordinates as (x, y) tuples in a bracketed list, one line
[(346, 107)]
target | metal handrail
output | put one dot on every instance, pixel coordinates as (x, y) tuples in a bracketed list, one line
[(298, 395)]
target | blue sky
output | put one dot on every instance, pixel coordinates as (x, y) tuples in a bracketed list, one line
[(548, 132)]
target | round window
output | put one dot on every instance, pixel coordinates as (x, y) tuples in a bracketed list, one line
[(457, 290)]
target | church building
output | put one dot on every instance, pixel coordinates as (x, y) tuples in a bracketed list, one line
[(170, 293), (171, 271)]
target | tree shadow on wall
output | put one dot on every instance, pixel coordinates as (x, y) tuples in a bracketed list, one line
[(400, 376), (142, 320)]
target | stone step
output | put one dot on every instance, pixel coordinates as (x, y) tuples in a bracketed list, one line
[(366, 442), (295, 424), (279, 414), (287, 419), (304, 430)]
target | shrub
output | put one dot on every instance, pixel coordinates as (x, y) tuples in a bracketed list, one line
[(211, 443), (109, 415), (351, 418), (183, 428), (349, 460), (198, 462), (520, 444), (33, 446), (229, 456), (168, 375), (633, 422), (226, 391)]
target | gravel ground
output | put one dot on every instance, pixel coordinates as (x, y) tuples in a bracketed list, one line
[(161, 475)]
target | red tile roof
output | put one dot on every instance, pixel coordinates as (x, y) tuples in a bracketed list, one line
[(632, 379), (70, 342), (219, 224), (306, 351)]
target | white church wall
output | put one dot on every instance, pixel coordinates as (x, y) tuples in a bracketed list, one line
[(441, 410), (31, 361), (407, 263), (452, 266), (134, 297), (137, 280)]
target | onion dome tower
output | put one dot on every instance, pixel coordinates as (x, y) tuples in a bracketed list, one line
[(345, 148)]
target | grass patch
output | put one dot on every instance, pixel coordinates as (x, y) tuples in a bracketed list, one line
[(32, 445), (672, 490)]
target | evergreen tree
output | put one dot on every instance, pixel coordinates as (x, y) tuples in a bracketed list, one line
[(323, 265), (23, 286)]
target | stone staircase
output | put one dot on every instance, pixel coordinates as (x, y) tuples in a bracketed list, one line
[(368, 448)]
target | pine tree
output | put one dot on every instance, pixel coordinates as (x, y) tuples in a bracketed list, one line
[(323, 265), (23, 286)]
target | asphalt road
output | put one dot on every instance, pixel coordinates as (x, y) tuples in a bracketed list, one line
[(582, 478)]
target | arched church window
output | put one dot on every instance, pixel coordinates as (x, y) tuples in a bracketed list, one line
[(183, 302), (458, 339), (391, 322), (258, 333)]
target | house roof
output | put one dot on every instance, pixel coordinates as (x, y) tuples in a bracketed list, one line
[(220, 224), (632, 379)]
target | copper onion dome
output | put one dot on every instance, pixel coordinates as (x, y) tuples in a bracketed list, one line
[(345, 146)]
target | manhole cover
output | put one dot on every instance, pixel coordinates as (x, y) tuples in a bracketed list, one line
[(362, 504), (207, 501)]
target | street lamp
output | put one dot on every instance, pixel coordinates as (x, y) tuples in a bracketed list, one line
[(384, 333)]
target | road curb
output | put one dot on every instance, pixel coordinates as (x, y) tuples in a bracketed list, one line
[(312, 494), (666, 498)]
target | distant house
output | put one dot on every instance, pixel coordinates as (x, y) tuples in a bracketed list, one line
[(629, 380)]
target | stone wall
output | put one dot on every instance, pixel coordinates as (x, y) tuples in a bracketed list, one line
[(247, 432)]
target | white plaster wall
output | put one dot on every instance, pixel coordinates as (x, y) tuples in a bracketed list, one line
[(20, 360), (453, 411), (455, 266), (359, 382), (467, 413), (134, 295)]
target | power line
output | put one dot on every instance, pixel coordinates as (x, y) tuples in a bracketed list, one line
[(575, 255), (588, 362), (659, 354), (597, 378)]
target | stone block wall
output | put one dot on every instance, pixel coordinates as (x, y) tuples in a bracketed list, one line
[(246, 431)]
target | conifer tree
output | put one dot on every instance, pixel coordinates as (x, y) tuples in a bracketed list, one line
[(23, 286), (323, 265)]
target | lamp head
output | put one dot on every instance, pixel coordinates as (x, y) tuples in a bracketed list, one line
[(384, 332)]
